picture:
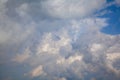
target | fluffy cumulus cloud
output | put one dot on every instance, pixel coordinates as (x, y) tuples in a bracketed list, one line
[(59, 53), (56, 40)]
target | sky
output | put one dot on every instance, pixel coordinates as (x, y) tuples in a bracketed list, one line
[(59, 39)]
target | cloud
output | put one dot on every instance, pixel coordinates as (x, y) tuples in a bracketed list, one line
[(12, 37), (22, 57), (96, 47), (118, 2), (70, 60), (74, 49), (62, 79), (10, 30), (51, 36), (22, 9), (71, 9), (37, 71), (14, 34), (112, 60), (58, 9), (113, 56), (57, 47), (52, 43)]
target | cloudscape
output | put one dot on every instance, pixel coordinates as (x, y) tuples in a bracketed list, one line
[(59, 39)]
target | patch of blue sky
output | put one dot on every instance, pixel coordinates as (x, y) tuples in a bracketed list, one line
[(113, 15), (110, 1)]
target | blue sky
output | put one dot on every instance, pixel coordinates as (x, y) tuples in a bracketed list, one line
[(59, 40)]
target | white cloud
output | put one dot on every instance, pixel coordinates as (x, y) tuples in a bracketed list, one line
[(70, 60), (60, 46), (113, 56), (96, 47), (49, 43), (38, 71), (71, 9), (22, 57), (56, 47), (110, 67), (53, 42)]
